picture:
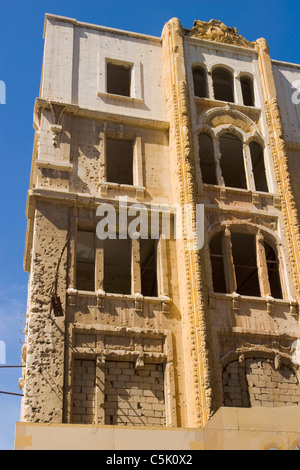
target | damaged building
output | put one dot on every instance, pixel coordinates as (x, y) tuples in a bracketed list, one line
[(146, 332)]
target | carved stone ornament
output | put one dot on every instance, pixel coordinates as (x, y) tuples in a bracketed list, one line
[(217, 31), (277, 361)]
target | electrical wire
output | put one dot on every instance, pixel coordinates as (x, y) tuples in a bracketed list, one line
[(11, 393)]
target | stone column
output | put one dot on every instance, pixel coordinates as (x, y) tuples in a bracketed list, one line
[(228, 262), (262, 265)]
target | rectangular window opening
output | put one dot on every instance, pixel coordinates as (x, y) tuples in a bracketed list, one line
[(85, 260), (148, 263), (118, 79), (119, 161), (117, 266)]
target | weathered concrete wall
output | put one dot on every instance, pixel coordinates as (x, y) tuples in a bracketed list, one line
[(77, 74), (44, 349), (76, 163)]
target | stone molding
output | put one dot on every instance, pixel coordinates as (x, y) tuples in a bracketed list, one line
[(132, 121)]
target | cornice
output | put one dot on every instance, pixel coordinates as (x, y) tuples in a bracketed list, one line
[(84, 200), (106, 29), (132, 121)]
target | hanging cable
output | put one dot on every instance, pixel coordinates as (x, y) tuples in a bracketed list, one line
[(11, 393)]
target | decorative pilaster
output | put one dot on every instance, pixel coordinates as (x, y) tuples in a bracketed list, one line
[(280, 158), (182, 153)]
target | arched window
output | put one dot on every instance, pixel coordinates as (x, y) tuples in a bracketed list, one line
[(232, 161), (247, 91), (207, 160), (250, 381), (273, 271), (200, 84), (217, 263), (258, 167), (223, 85)]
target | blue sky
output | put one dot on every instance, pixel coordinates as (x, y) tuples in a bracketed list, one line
[(21, 49)]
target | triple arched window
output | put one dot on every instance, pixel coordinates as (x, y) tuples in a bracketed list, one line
[(227, 161), (222, 85), (245, 263)]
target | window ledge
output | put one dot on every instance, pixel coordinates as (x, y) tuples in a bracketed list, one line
[(254, 194), (227, 103), (139, 190), (269, 301), (61, 166), (243, 190), (137, 298), (124, 98), (249, 297)]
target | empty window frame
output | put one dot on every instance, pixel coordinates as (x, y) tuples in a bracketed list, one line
[(223, 85), (200, 83), (232, 161), (118, 79), (247, 91), (148, 264), (245, 264), (119, 161), (273, 271), (217, 263), (117, 266), (85, 260), (244, 257), (207, 160), (258, 167)]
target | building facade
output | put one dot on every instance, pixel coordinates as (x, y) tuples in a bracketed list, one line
[(128, 326)]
